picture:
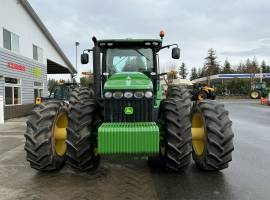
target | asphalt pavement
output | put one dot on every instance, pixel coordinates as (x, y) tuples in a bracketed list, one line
[(248, 176)]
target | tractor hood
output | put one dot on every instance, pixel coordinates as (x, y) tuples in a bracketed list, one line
[(128, 81)]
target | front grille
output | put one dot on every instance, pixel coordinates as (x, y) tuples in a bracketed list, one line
[(142, 110)]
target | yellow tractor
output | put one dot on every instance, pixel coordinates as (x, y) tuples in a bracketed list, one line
[(202, 91)]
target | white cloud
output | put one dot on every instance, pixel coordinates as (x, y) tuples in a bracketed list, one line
[(234, 28)]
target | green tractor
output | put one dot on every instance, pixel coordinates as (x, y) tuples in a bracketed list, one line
[(60, 91), (128, 117), (259, 90)]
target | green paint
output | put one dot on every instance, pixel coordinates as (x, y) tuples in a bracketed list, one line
[(160, 95), (128, 81), (37, 72), (128, 110), (130, 139)]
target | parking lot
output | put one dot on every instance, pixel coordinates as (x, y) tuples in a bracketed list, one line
[(246, 178)]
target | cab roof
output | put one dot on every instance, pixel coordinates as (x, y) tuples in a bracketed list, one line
[(111, 43)]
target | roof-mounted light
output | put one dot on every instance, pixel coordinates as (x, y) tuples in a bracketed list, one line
[(147, 43), (161, 34), (155, 43)]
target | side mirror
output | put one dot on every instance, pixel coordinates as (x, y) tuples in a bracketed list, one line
[(175, 53), (84, 58)]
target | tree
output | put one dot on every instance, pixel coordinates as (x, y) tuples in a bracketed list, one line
[(51, 84), (193, 74), (87, 81), (183, 71), (265, 68), (227, 67), (200, 72), (171, 75), (252, 68), (240, 68), (211, 65)]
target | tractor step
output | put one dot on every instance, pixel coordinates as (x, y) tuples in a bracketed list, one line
[(128, 139)]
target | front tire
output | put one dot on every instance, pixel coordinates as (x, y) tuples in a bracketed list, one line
[(212, 136), (81, 140), (176, 145), (45, 136)]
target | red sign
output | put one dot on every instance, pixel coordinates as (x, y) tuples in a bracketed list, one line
[(17, 67)]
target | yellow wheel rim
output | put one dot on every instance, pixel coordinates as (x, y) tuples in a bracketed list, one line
[(200, 97), (60, 134), (198, 134), (254, 95)]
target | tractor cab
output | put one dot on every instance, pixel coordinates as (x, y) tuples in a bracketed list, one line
[(260, 86), (126, 72)]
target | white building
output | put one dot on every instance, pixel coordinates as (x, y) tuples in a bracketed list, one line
[(28, 52)]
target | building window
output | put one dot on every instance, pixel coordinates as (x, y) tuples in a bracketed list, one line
[(12, 91), (11, 41), (37, 53), (38, 89)]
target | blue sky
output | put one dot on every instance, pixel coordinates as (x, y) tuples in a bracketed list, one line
[(236, 29)]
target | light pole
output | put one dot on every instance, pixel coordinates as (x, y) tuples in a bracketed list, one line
[(77, 44)]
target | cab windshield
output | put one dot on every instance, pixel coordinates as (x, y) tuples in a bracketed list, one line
[(129, 60)]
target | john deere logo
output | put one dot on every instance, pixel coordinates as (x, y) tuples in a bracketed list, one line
[(128, 110)]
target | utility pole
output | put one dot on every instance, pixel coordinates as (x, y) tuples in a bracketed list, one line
[(77, 44), (261, 74)]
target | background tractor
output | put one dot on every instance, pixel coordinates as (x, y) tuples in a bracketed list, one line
[(60, 91), (259, 90), (127, 117), (202, 91)]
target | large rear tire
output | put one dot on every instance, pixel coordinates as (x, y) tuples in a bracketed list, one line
[(178, 92), (212, 136), (81, 139), (255, 94), (176, 132), (45, 136)]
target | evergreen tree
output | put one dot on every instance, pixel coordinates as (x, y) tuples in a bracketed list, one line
[(240, 68), (248, 66), (51, 84), (200, 72), (193, 74), (268, 69), (264, 67), (211, 64), (255, 66), (227, 67), (252, 68), (183, 71)]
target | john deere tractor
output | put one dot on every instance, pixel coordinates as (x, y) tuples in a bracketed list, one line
[(127, 117), (259, 90)]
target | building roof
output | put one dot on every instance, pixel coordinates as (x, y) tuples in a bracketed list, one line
[(46, 32)]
